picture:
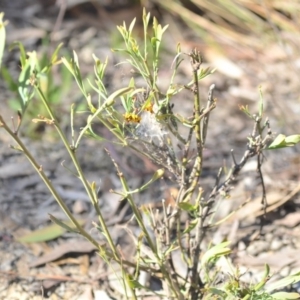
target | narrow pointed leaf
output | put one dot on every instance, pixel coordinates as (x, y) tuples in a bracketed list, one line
[(283, 282), (216, 252), (186, 206), (67, 225), (286, 296)]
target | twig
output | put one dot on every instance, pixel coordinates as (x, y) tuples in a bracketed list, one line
[(210, 104)]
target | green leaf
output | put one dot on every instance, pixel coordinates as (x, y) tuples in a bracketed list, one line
[(127, 101), (74, 69), (26, 77), (170, 249), (90, 132), (157, 175), (191, 226), (286, 296), (187, 206), (283, 282), (282, 141), (292, 139), (216, 252), (131, 25), (216, 291), (264, 279), (48, 233), (146, 18), (22, 52), (68, 65), (278, 142), (116, 94), (157, 38), (154, 40), (133, 283), (99, 67), (69, 226), (42, 235), (55, 53)]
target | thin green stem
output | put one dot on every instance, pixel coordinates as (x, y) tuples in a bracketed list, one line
[(195, 175), (92, 196), (48, 183), (197, 168), (163, 268), (90, 189)]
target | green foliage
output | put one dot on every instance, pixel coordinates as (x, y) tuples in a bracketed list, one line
[(282, 141), (37, 69), (48, 233)]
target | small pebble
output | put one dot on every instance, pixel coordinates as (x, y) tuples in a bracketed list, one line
[(79, 207), (276, 244), (258, 247)]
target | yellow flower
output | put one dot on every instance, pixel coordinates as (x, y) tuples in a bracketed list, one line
[(149, 107), (132, 118)]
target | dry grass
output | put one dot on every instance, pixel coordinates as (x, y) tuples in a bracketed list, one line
[(244, 22)]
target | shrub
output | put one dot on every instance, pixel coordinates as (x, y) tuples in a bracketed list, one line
[(147, 124)]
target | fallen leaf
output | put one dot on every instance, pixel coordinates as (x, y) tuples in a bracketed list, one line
[(291, 220), (48, 233), (75, 246)]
